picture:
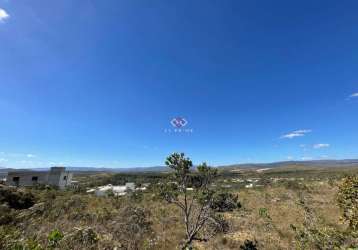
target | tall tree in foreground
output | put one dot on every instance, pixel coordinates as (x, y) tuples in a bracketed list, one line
[(191, 192)]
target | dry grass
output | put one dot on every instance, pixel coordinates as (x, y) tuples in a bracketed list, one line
[(283, 209), (281, 204)]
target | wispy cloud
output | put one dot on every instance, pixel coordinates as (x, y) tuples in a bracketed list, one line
[(3, 160), (354, 95), (321, 145), (296, 133), (30, 156), (3, 15)]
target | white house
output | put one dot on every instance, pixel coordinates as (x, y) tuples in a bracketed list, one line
[(116, 190)]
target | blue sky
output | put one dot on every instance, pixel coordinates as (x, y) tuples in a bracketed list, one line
[(96, 83)]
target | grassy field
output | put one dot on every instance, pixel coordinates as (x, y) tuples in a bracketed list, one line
[(285, 208)]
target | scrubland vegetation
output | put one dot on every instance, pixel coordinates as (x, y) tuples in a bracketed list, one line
[(201, 209)]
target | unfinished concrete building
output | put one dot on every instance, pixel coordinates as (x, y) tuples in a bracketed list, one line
[(57, 176)]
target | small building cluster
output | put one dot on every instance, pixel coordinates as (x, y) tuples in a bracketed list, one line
[(114, 190)]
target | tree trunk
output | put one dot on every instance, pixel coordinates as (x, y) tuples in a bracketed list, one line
[(187, 245)]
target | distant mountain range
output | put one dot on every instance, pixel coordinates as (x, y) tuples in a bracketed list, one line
[(92, 169), (313, 163)]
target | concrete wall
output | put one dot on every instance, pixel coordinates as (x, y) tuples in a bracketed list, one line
[(54, 176), (57, 176), (65, 179), (26, 178)]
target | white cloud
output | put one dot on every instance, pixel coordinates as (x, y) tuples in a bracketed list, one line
[(289, 158), (3, 15), (303, 131), (30, 156), (297, 133), (3, 159), (321, 145), (354, 95)]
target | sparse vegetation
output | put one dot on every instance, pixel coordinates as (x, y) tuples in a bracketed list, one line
[(293, 210)]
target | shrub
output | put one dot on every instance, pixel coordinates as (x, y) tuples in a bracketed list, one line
[(32, 244), (348, 201), (263, 212), (81, 238), (249, 245), (16, 199), (225, 202), (215, 225), (54, 237), (135, 196), (318, 238), (6, 215), (315, 235)]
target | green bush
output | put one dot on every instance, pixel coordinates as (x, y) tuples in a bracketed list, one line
[(263, 212), (54, 237), (318, 237)]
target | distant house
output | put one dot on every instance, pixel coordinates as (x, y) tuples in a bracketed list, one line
[(116, 190), (57, 176)]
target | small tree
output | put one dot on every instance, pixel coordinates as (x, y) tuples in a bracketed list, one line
[(191, 192)]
